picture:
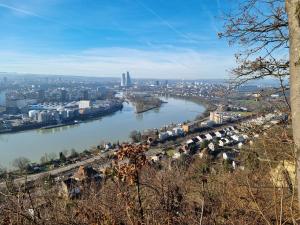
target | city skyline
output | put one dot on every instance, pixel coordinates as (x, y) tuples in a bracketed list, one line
[(151, 39)]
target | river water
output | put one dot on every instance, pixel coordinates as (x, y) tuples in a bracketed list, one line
[(35, 143)]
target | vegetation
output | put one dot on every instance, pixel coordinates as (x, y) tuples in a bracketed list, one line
[(135, 136), (260, 187), (187, 191), (21, 163), (265, 29)]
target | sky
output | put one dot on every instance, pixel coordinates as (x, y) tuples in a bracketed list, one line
[(150, 38)]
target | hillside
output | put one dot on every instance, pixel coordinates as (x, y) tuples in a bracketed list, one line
[(190, 190)]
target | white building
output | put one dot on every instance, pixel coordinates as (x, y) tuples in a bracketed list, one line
[(84, 104), (33, 114), (163, 136)]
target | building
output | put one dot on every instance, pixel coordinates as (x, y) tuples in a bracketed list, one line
[(128, 80), (33, 114), (43, 117), (217, 117), (20, 103), (207, 123), (163, 136), (189, 127), (123, 80), (84, 104)]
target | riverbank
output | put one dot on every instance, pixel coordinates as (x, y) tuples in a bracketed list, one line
[(113, 128), (54, 124)]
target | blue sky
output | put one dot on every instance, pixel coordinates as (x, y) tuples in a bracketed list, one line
[(150, 38)]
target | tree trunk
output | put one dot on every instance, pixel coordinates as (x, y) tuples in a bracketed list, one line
[(293, 11)]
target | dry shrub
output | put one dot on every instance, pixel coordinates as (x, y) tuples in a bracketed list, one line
[(188, 191)]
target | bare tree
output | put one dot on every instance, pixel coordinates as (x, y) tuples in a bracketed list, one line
[(266, 29), (21, 163), (261, 29)]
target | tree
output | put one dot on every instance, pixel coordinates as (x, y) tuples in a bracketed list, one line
[(3, 172), (44, 159), (260, 28), (74, 153), (21, 163), (265, 29), (130, 172), (204, 144), (135, 136), (293, 11), (62, 157)]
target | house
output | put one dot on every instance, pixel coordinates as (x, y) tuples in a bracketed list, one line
[(86, 173), (163, 136), (108, 146), (231, 128), (220, 133), (211, 146), (154, 158), (170, 133), (200, 139), (177, 131), (190, 143), (208, 123), (240, 145), (150, 141), (227, 141), (208, 137), (212, 134), (73, 186), (245, 136), (189, 127), (229, 155), (70, 188), (202, 136), (237, 138), (222, 142), (195, 140)]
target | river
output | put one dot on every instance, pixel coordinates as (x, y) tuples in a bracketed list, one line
[(35, 143)]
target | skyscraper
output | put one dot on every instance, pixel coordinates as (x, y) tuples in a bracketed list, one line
[(128, 80), (123, 80)]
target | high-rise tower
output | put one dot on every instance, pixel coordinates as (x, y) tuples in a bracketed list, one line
[(123, 80), (128, 80)]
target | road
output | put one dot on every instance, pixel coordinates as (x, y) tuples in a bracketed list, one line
[(71, 167)]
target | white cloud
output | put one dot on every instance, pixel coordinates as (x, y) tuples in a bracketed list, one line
[(164, 63)]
